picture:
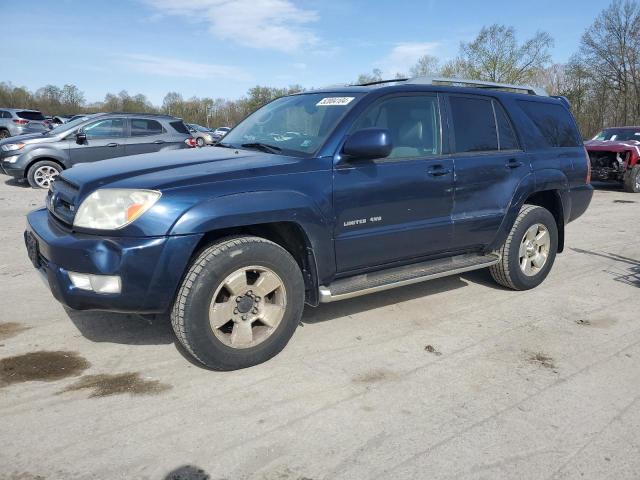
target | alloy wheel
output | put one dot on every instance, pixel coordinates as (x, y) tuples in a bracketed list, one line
[(534, 249), (247, 307), (45, 175)]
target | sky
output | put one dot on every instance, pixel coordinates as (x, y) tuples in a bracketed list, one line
[(221, 48)]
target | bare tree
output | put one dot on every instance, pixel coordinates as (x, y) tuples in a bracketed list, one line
[(495, 55)]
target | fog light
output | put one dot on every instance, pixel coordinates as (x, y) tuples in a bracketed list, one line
[(11, 159), (96, 283)]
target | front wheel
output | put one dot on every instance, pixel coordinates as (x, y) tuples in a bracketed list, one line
[(632, 180), (239, 303), (42, 174), (529, 251), (200, 142)]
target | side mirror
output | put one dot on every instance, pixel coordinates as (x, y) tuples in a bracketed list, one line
[(81, 138), (368, 143)]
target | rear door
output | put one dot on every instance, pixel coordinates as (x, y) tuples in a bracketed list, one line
[(489, 165), (105, 139), (397, 208), (146, 135)]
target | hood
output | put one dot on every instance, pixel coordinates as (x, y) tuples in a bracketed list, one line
[(179, 168), (30, 138), (613, 145)]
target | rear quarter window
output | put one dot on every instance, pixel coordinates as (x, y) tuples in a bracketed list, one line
[(552, 124), (30, 115), (180, 127)]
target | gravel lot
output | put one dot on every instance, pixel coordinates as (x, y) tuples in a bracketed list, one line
[(455, 378)]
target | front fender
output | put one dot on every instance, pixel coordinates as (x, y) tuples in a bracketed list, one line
[(42, 153), (261, 207)]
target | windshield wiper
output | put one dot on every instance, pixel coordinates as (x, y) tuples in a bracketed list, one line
[(265, 147)]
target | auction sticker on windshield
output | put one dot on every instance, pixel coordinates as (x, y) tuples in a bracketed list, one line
[(327, 101)]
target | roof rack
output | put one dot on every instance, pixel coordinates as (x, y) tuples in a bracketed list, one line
[(478, 84), (379, 82)]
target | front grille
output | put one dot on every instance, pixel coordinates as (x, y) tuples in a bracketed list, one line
[(61, 200)]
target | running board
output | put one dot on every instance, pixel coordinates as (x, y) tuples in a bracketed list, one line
[(399, 276)]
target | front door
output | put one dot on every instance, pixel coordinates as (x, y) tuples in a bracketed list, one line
[(105, 139), (396, 208)]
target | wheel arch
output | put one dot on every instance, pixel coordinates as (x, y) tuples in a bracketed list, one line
[(33, 161), (288, 218)]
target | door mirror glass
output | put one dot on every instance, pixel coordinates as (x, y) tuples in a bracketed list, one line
[(368, 143)]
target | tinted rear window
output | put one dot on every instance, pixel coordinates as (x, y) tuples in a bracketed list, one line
[(179, 126), (141, 127), (474, 125), (30, 115), (553, 123)]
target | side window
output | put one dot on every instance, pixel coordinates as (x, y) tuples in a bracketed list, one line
[(474, 126), (553, 123), (141, 127), (507, 139), (111, 128), (413, 123)]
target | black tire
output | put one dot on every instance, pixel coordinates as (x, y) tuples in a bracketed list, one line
[(4, 134), (200, 141), (43, 164), (508, 271), (632, 180), (190, 313)]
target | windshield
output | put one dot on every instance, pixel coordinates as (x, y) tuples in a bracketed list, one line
[(296, 125), (200, 128), (68, 126), (619, 134)]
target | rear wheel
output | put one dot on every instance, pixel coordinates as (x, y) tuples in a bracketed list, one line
[(239, 303), (4, 134), (529, 251), (42, 174), (632, 180), (200, 141)]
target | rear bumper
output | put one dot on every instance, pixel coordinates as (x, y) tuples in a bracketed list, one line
[(150, 268), (580, 200)]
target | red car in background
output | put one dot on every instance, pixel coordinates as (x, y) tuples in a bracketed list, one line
[(615, 156)]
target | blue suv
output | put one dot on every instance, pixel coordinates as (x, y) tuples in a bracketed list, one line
[(317, 197)]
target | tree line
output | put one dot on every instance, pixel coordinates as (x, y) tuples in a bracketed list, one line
[(601, 79)]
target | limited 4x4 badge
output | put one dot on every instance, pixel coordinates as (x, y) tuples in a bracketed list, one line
[(361, 221)]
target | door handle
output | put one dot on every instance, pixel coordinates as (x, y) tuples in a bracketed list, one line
[(513, 163), (112, 144), (158, 142), (438, 171)]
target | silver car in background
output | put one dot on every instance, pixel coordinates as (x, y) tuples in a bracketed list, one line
[(202, 135), (19, 121), (219, 133)]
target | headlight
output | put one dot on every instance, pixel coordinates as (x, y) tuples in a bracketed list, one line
[(11, 147), (113, 208)]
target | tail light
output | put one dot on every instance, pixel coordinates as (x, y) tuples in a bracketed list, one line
[(586, 154), (20, 121), (191, 142)]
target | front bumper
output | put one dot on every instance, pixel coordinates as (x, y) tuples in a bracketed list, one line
[(14, 168), (150, 268)]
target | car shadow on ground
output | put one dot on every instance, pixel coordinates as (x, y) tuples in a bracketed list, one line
[(632, 274), (16, 183), (130, 329)]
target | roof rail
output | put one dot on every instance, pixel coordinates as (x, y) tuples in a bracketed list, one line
[(379, 82), (478, 84)]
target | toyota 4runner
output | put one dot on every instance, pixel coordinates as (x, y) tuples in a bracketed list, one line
[(317, 197)]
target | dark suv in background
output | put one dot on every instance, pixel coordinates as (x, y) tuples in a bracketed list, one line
[(40, 157), (18, 121)]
